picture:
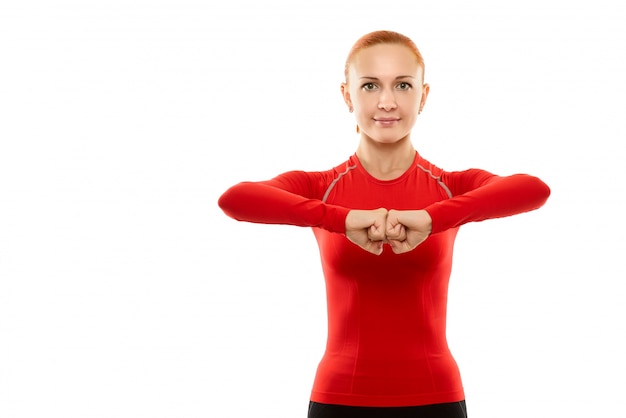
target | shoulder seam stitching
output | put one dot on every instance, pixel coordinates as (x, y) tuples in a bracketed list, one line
[(438, 179), (332, 184)]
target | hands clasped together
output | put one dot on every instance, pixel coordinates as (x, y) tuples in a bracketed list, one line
[(403, 230)]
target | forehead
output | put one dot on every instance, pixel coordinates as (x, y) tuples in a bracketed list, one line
[(385, 60)]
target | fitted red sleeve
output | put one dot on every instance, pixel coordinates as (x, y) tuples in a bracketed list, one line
[(289, 199), (478, 195)]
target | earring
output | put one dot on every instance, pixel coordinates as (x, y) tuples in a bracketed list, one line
[(351, 109), (358, 130)]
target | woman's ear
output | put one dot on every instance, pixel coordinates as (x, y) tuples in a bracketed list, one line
[(345, 92), (425, 91)]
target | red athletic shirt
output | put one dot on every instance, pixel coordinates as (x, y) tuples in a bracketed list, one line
[(386, 341)]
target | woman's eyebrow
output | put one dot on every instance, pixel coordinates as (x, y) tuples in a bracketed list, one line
[(377, 79)]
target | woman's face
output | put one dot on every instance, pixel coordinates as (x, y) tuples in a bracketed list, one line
[(386, 90)]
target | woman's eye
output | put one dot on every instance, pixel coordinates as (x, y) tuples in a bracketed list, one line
[(404, 86), (369, 86)]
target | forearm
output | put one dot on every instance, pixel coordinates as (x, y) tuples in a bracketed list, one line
[(499, 197), (263, 203)]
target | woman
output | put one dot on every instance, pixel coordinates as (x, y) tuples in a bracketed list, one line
[(385, 221)]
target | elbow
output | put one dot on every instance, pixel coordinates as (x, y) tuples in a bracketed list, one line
[(238, 200), (529, 191), (222, 201), (541, 191), (228, 200)]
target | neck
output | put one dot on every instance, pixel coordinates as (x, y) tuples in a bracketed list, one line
[(385, 161)]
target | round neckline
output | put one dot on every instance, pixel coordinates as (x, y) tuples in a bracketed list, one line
[(400, 178)]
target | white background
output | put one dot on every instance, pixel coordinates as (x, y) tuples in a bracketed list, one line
[(126, 292)]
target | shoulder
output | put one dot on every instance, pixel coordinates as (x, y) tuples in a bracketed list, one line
[(312, 183), (456, 182), (428, 167), (344, 168), (466, 174)]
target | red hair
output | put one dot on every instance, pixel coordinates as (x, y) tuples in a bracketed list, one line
[(382, 37)]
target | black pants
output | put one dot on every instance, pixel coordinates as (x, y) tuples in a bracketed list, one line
[(441, 410)]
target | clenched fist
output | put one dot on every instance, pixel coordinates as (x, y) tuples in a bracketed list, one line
[(406, 229), (403, 230), (366, 228)]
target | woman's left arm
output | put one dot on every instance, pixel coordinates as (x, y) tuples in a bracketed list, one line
[(478, 195)]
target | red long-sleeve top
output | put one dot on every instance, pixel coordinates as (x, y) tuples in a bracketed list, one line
[(386, 341)]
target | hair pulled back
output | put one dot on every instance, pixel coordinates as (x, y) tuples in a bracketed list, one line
[(382, 37)]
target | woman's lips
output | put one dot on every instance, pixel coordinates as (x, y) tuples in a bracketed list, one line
[(386, 121)]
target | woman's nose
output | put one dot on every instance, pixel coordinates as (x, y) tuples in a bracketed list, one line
[(387, 101)]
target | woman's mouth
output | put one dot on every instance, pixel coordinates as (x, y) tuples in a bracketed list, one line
[(386, 121)]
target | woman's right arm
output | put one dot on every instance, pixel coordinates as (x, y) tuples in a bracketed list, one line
[(292, 198)]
